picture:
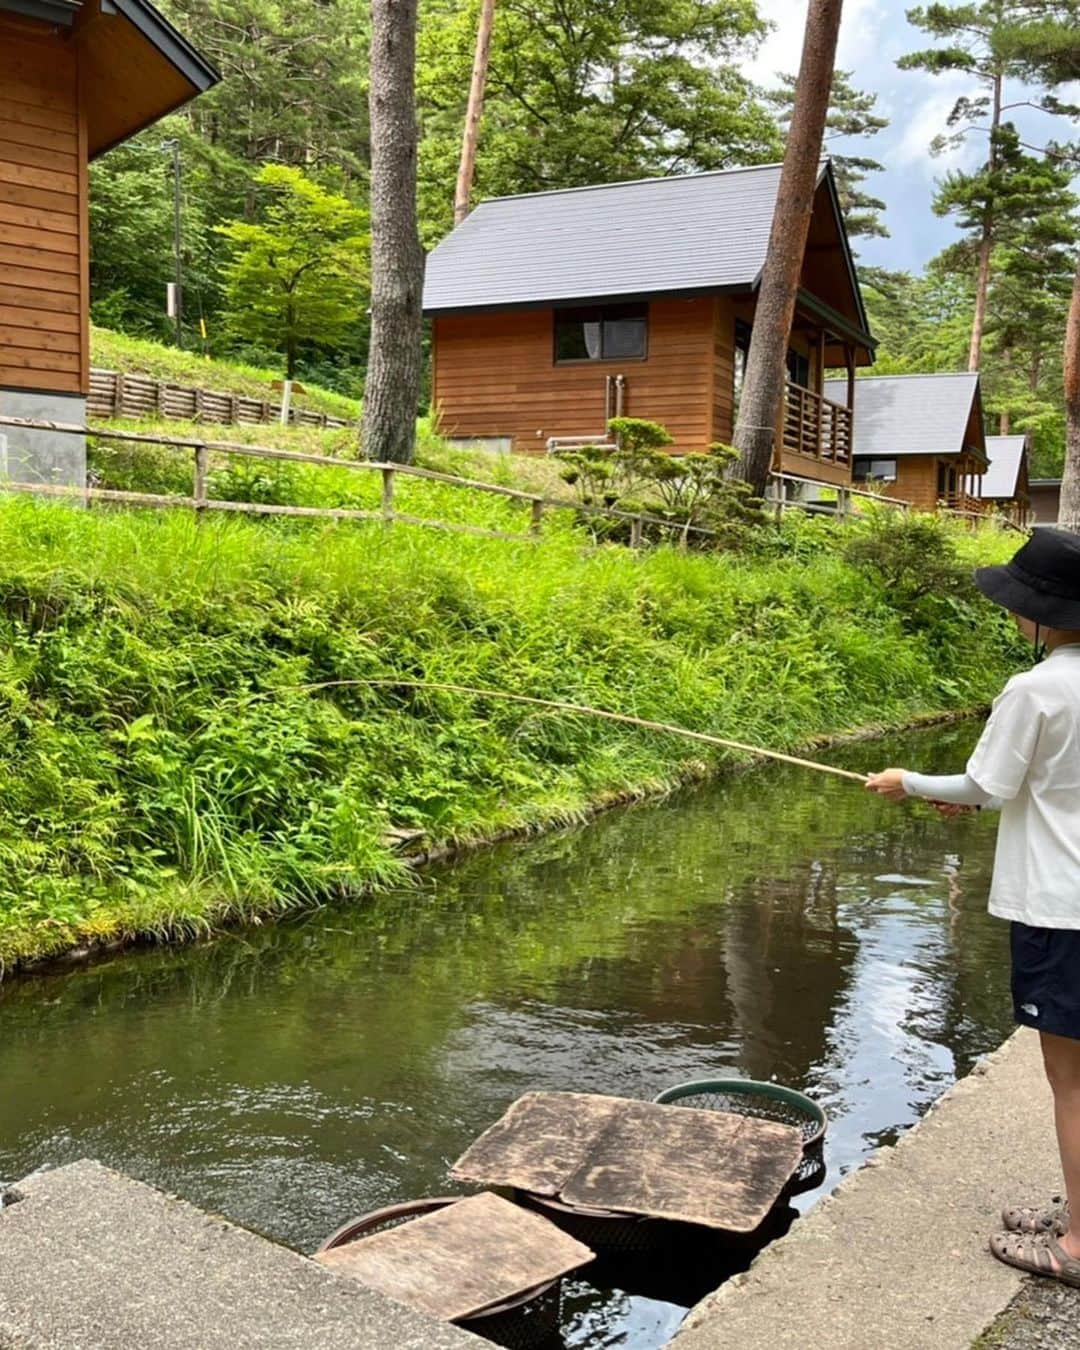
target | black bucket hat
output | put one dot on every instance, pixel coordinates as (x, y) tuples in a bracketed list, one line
[(1041, 582)]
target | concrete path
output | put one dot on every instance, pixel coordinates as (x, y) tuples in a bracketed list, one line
[(895, 1258), (90, 1260)]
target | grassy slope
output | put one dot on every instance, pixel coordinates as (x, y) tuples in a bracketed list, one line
[(161, 771), (118, 351)]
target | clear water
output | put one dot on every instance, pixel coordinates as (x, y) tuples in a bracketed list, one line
[(779, 925)]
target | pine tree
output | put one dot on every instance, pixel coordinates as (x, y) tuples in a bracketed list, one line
[(971, 34), (1045, 41), (763, 390), (392, 388), (851, 115)]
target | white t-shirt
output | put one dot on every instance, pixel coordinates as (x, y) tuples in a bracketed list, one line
[(1029, 757)]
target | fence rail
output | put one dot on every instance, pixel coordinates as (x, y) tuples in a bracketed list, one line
[(388, 512), (115, 393), (199, 500)]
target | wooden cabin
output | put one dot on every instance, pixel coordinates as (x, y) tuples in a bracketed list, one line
[(1045, 501), (919, 438), (76, 77), (1005, 486), (555, 311)]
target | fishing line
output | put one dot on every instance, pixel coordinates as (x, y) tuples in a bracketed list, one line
[(585, 710)]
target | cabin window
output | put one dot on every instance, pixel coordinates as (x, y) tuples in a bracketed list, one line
[(602, 333), (798, 368), (874, 471)]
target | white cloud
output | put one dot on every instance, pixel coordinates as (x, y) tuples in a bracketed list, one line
[(923, 114), (860, 36)]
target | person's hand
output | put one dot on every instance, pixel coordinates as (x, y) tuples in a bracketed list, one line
[(889, 784)]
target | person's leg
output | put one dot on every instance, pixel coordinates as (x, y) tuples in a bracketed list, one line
[(1061, 1055)]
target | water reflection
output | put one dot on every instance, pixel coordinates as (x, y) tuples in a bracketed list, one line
[(779, 926)]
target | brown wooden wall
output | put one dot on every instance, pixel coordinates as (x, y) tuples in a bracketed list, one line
[(916, 481), (44, 300), (495, 375)]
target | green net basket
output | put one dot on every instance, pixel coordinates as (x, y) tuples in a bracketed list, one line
[(766, 1101)]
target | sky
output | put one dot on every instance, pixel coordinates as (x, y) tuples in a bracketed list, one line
[(874, 33)]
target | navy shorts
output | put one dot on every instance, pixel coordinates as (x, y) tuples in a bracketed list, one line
[(1046, 979)]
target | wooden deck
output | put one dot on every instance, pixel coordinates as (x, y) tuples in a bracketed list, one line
[(815, 432)]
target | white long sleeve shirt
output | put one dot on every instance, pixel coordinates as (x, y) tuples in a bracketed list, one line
[(1028, 758)]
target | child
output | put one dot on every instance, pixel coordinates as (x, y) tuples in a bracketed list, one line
[(1027, 764)]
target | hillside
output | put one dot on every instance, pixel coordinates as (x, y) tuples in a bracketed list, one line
[(117, 351)]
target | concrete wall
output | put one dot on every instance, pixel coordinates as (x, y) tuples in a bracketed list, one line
[(42, 456)]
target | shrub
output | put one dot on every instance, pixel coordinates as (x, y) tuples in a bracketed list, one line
[(691, 490)]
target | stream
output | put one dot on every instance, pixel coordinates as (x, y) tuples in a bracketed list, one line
[(776, 925)]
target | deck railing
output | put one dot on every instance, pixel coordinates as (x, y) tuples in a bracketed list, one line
[(815, 426)]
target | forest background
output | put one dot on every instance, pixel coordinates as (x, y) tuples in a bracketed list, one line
[(275, 160)]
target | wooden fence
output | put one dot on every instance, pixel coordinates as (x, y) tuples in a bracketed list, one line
[(388, 513), (200, 501), (113, 393)]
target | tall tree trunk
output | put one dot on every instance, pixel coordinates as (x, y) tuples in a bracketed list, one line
[(763, 387), (392, 387), (1069, 510), (475, 110), (986, 246)]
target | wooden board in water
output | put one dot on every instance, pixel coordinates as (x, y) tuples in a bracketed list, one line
[(713, 1168), (461, 1259)]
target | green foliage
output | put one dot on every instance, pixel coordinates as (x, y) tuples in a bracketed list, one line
[(296, 277), (852, 113), (589, 91), (916, 560), (119, 351), (692, 490), (164, 765)]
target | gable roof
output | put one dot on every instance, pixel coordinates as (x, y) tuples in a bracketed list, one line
[(914, 414), (134, 66), (688, 234), (1002, 477)]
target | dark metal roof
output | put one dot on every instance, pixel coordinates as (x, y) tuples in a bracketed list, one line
[(910, 414), (690, 234), (1006, 455)]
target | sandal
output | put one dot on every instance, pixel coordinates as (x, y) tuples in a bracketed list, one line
[(1039, 1254), (1027, 1219)]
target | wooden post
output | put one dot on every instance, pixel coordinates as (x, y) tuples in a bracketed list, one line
[(842, 502), (202, 457), (636, 526), (118, 394), (537, 515), (388, 495)]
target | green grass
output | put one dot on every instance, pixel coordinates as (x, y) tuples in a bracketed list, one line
[(162, 770), (142, 356)]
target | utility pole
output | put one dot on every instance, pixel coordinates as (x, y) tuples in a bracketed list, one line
[(178, 281), (467, 168)]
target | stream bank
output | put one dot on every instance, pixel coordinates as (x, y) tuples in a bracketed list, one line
[(167, 767)]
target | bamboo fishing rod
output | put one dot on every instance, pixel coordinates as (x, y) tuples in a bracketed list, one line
[(586, 711)]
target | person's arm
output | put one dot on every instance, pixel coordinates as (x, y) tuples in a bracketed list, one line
[(955, 789), (951, 790)]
